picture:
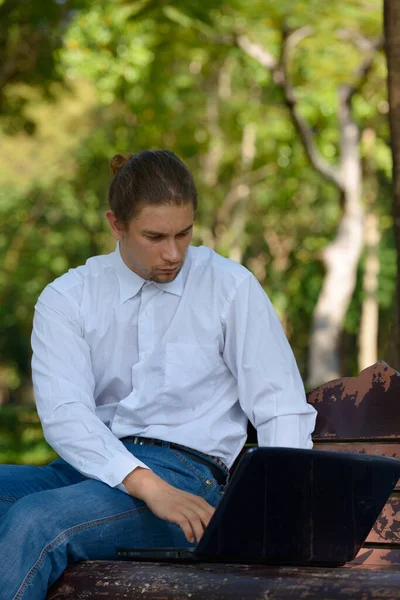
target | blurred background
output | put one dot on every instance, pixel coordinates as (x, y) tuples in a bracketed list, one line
[(280, 110)]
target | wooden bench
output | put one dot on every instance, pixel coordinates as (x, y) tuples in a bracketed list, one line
[(362, 414), (355, 414)]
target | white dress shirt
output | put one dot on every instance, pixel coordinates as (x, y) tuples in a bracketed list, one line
[(187, 361)]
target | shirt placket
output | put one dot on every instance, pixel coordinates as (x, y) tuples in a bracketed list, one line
[(146, 321)]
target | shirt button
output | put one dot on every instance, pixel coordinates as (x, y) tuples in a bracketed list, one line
[(121, 421), (135, 392)]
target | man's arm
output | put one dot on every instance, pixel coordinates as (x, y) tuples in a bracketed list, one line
[(270, 388), (64, 388)]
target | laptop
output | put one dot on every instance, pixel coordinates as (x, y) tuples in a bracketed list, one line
[(288, 506)]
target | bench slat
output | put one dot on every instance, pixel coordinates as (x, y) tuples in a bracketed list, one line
[(387, 526), (375, 448), (376, 558), (118, 580), (390, 449)]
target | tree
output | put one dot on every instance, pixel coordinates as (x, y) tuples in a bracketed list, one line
[(342, 255), (392, 39)]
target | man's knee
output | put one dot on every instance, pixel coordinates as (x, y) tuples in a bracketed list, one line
[(35, 516)]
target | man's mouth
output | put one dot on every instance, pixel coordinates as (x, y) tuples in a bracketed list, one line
[(167, 270)]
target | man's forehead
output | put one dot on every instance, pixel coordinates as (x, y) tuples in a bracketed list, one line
[(165, 219)]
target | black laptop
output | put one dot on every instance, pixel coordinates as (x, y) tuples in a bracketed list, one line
[(291, 507)]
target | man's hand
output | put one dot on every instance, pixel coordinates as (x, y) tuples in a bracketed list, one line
[(190, 512)]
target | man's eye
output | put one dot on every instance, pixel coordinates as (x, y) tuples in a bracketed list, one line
[(159, 237)]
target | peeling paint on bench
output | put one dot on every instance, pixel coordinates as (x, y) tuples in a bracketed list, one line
[(112, 580)]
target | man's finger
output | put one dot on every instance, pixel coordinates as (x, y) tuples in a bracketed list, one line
[(204, 514), (198, 512), (203, 505), (195, 523), (186, 527)]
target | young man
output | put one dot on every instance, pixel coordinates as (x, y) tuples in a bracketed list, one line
[(147, 364)]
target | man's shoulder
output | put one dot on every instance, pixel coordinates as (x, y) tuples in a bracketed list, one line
[(72, 283), (208, 261)]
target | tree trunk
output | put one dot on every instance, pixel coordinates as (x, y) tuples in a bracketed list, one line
[(238, 223), (392, 40), (341, 257), (368, 336), (369, 322)]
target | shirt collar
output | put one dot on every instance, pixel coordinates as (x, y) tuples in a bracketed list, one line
[(130, 283)]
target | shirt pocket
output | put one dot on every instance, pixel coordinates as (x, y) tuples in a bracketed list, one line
[(190, 373)]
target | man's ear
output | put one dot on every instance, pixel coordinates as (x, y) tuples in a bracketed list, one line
[(117, 228)]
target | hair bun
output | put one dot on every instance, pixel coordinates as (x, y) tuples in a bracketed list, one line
[(117, 162)]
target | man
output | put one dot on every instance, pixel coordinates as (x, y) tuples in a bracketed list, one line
[(147, 364)]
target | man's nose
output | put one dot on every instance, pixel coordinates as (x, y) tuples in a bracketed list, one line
[(170, 251)]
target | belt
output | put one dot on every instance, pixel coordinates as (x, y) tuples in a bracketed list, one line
[(217, 467)]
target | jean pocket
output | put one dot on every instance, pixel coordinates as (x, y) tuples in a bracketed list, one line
[(200, 472)]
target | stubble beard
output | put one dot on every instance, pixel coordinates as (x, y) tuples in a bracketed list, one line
[(166, 278)]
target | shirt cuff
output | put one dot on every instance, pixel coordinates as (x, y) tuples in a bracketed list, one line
[(287, 431), (115, 471)]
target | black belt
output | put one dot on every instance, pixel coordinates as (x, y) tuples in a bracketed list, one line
[(217, 467)]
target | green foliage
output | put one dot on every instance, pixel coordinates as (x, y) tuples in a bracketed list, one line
[(21, 437), (116, 76), (30, 35)]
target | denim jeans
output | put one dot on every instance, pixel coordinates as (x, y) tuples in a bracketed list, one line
[(52, 516)]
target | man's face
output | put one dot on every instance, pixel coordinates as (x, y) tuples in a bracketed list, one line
[(155, 244)]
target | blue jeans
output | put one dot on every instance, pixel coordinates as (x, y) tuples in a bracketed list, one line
[(53, 516)]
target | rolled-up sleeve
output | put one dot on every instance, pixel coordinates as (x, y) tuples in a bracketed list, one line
[(64, 391), (270, 389)]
